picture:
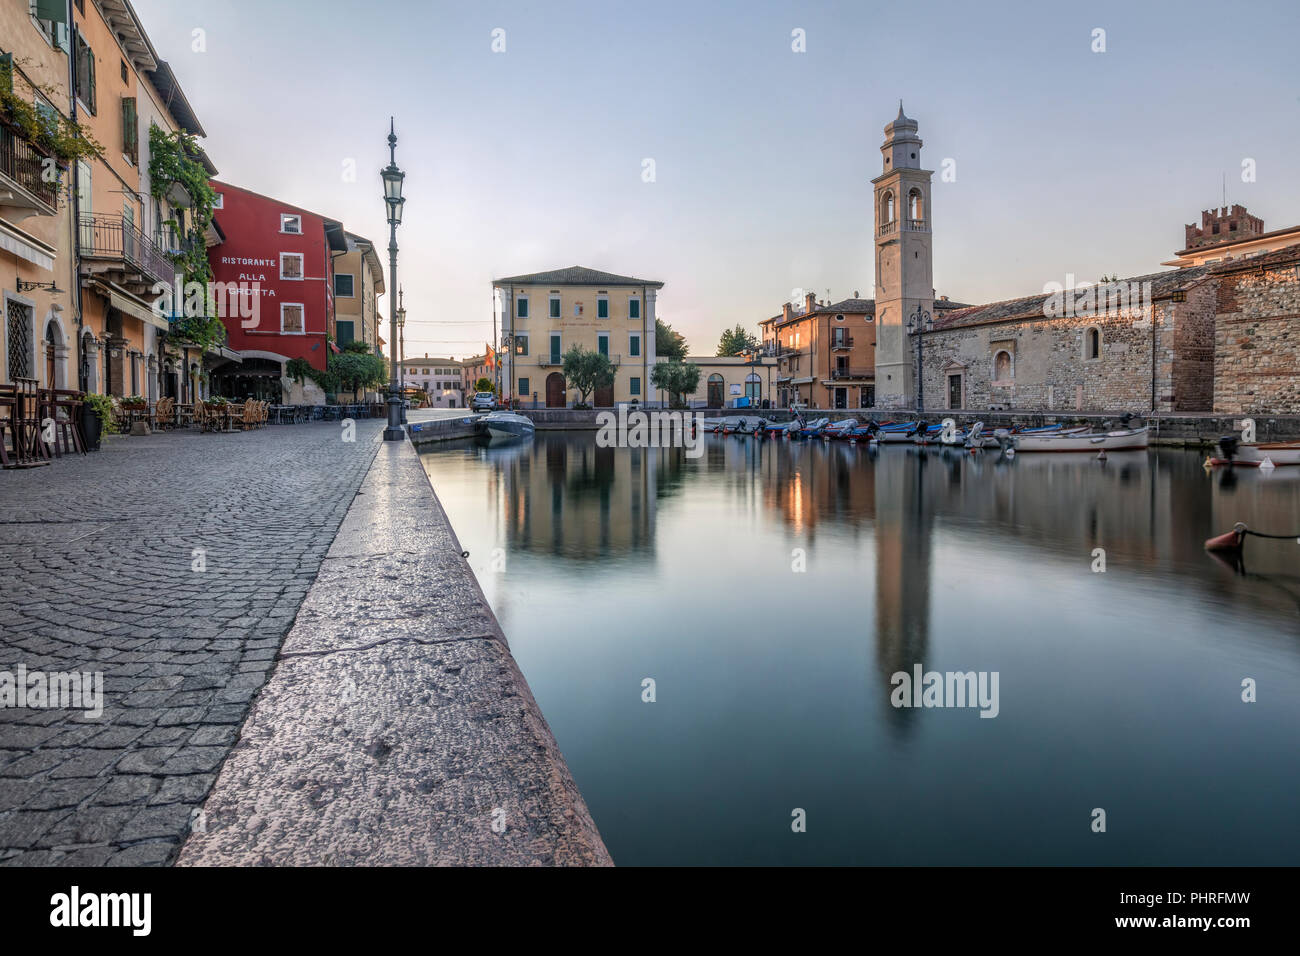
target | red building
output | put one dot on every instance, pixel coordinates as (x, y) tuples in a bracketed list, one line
[(279, 259)]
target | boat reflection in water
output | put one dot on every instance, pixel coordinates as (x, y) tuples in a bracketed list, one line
[(772, 590)]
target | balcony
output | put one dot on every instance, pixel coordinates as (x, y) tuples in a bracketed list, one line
[(846, 372), (113, 247), (887, 228), (916, 225), (22, 168), (841, 342)]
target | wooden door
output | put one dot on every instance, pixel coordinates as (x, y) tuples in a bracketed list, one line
[(555, 390)]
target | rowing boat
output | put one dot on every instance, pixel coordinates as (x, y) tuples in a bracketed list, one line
[(1123, 439)]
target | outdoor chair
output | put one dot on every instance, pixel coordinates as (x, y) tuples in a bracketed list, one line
[(164, 413)]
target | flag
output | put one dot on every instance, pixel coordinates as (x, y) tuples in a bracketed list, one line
[(491, 357)]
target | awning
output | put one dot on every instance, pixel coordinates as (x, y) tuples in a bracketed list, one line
[(17, 242), (124, 301)]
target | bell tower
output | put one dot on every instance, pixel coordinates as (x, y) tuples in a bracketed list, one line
[(904, 271)]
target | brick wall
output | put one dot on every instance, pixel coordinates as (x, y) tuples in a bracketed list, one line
[(1257, 337)]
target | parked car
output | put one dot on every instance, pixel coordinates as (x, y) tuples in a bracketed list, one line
[(483, 402)]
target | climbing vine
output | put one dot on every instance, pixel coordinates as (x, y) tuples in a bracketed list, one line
[(172, 159)]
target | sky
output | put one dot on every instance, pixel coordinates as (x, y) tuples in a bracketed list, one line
[(1066, 160)]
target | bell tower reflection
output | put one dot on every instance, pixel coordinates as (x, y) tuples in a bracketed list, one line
[(903, 542)]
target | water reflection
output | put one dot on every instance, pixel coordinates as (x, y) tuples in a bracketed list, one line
[(773, 588)]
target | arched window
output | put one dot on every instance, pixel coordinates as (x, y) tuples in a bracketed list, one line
[(1002, 368), (753, 387), (1092, 343), (887, 207), (51, 362), (915, 205)]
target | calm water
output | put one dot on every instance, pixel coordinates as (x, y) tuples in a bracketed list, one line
[(1119, 690)]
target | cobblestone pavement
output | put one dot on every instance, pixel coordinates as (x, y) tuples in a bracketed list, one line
[(99, 561)]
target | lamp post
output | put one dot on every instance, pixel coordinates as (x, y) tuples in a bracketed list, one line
[(392, 177), (919, 322), (401, 336)]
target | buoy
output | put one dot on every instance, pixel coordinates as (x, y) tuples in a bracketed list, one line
[(1101, 455), (1228, 542), (1266, 464), (1011, 453)]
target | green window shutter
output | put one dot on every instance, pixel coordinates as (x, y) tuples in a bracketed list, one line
[(56, 11), (130, 129)]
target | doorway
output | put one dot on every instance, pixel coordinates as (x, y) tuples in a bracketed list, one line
[(715, 391), (555, 389), (954, 391)]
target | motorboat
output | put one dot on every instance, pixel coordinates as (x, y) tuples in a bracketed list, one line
[(841, 429), (1253, 454), (898, 431), (504, 426), (810, 429)]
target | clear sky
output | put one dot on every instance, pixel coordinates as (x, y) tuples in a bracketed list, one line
[(1067, 161)]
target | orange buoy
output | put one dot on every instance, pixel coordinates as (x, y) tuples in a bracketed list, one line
[(1228, 542)]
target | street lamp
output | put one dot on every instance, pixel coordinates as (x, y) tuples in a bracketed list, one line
[(918, 323), (401, 330), (393, 177)]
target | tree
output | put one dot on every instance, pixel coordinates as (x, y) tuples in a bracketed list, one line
[(587, 371), (484, 385), (353, 371), (669, 344), (736, 341), (676, 378)]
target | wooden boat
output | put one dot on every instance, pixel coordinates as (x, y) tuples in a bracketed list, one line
[(898, 431), (1123, 439), (1252, 454), (990, 439)]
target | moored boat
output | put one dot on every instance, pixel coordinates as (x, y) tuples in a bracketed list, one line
[(1253, 454), (1123, 439), (505, 426)]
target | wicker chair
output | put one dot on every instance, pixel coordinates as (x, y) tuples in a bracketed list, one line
[(165, 413)]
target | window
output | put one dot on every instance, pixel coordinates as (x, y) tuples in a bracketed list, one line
[(83, 78), (521, 307), (221, 201), (290, 224), (634, 308), (291, 265), (602, 307), (1092, 343), (521, 344), (634, 345), (424, 372), (887, 207), (915, 206), (555, 306), (125, 77), (602, 343), (753, 387), (344, 333), (555, 347), (523, 386), (344, 284), (634, 385), (291, 319)]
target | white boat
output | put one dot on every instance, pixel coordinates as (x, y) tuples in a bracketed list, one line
[(1123, 439), (1252, 454), (841, 429), (505, 425)]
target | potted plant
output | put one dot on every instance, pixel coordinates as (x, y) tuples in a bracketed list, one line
[(135, 401), (96, 420)]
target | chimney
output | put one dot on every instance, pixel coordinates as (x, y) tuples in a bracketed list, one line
[(809, 302), (855, 293), (785, 312)]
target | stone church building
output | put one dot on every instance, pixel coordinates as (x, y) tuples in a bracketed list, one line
[(1218, 332)]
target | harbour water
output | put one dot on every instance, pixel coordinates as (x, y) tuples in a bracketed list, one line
[(772, 590)]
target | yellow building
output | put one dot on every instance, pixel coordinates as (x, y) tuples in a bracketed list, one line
[(725, 379), (545, 314), (358, 282)]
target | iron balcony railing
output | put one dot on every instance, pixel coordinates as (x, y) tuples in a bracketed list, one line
[(113, 237), (846, 372), (25, 163), (842, 342)]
